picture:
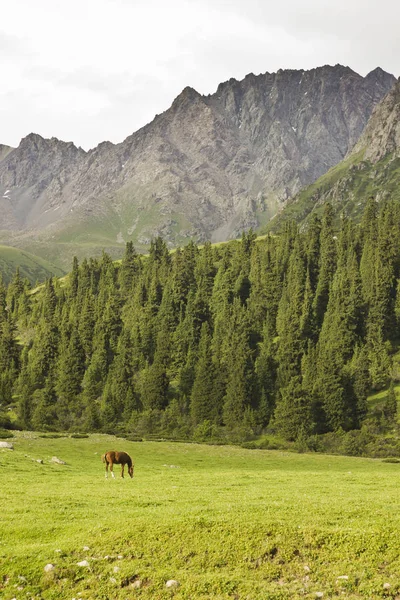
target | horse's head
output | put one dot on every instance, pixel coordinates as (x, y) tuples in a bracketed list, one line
[(130, 471)]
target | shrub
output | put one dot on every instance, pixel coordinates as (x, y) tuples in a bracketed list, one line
[(132, 437), (356, 442), (203, 431), (5, 422), (4, 434)]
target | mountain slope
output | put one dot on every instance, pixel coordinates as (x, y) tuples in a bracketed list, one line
[(372, 168), (207, 168), (30, 267)]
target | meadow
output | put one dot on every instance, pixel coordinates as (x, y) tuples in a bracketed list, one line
[(225, 522)]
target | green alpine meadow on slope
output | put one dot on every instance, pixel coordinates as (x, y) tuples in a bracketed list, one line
[(224, 522), (30, 266)]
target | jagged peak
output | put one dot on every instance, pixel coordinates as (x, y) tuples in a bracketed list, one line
[(378, 74), (229, 83), (376, 71), (35, 140), (188, 94), (32, 137), (106, 145), (251, 78)]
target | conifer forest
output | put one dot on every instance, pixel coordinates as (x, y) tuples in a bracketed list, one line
[(289, 332)]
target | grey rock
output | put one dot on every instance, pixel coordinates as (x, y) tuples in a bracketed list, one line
[(83, 563), (209, 167), (8, 445)]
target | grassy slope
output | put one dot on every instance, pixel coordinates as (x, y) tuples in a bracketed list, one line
[(32, 267), (347, 186), (226, 522)]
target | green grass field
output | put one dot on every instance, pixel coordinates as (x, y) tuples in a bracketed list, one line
[(224, 521), (32, 267)]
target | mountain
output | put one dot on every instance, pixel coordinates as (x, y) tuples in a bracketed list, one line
[(371, 169), (207, 168), (30, 267), (4, 150)]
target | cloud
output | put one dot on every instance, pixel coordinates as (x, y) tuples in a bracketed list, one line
[(12, 47), (90, 70)]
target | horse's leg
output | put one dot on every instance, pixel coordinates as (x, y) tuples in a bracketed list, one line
[(111, 469), (106, 470), (122, 469)]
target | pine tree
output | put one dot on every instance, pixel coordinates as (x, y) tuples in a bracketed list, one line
[(129, 271), (241, 390), (293, 411), (390, 407), (202, 403), (74, 279), (154, 379), (327, 264), (44, 415), (291, 343), (70, 371)]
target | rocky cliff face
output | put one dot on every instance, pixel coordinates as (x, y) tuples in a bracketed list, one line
[(382, 134), (4, 150), (371, 168), (207, 168)]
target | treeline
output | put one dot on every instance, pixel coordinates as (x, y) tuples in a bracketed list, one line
[(289, 332)]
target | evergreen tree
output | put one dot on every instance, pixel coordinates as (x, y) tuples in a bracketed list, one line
[(293, 411), (390, 408), (327, 264), (202, 404)]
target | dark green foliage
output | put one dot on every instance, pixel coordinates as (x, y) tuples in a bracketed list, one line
[(390, 407), (204, 405), (289, 333)]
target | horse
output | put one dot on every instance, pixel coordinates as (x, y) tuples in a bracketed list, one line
[(112, 457)]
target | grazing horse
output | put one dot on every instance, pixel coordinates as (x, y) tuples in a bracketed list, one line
[(112, 457)]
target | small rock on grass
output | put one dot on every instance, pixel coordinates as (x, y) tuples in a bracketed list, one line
[(136, 584), (172, 583), (48, 568), (7, 445), (83, 563)]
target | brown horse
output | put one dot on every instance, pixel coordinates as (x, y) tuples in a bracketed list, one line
[(112, 457)]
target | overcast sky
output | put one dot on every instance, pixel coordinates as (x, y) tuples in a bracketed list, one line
[(93, 70)]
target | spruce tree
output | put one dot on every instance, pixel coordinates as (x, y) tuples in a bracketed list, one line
[(390, 407), (202, 401)]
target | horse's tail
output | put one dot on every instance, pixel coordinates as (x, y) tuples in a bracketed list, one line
[(103, 458)]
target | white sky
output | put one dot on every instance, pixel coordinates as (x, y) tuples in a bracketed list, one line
[(93, 70)]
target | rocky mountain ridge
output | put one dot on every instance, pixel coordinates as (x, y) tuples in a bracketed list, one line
[(371, 169), (207, 168)]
